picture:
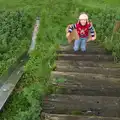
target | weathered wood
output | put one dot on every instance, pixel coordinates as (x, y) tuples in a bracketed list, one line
[(84, 76), (6, 75), (104, 64), (10, 84), (90, 47), (89, 51), (85, 69), (34, 35), (89, 57), (85, 84), (71, 89), (46, 116), (86, 105)]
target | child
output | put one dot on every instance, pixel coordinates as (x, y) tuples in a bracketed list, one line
[(83, 27)]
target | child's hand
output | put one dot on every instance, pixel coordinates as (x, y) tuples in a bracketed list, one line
[(92, 38), (68, 34)]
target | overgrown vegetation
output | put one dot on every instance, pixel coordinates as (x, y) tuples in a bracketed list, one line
[(15, 29), (25, 102)]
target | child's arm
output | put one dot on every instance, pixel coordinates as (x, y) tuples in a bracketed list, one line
[(72, 27), (92, 32), (91, 29), (71, 33)]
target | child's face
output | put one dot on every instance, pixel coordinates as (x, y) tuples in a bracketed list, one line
[(83, 22)]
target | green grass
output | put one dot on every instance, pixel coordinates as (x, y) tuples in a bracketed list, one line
[(22, 3), (112, 2), (26, 100), (102, 4)]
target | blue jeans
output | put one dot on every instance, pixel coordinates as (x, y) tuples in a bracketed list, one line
[(81, 43)]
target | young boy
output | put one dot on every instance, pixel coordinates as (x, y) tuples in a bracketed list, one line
[(83, 27)]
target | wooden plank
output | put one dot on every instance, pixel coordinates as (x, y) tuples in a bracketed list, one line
[(84, 76), (105, 64), (85, 84), (113, 72), (6, 75), (89, 57), (10, 84), (46, 116), (86, 105), (34, 35)]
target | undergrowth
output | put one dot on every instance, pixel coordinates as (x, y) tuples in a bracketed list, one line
[(15, 31)]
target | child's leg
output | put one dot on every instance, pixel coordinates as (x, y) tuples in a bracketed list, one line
[(83, 44), (76, 45)]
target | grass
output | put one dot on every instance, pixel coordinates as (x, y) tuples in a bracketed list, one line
[(102, 4), (13, 4), (26, 100)]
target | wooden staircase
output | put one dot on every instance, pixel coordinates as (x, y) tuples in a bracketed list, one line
[(87, 86)]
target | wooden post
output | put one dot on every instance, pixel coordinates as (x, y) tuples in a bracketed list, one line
[(34, 35)]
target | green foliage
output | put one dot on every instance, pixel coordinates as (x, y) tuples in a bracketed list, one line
[(15, 31), (104, 23), (114, 48)]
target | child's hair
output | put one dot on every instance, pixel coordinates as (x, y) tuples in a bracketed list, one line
[(83, 13)]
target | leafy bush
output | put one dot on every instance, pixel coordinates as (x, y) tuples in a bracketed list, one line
[(15, 31)]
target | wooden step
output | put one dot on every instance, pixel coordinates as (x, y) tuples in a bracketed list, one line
[(84, 57), (92, 47), (104, 64), (85, 105), (85, 69), (46, 116), (84, 76), (85, 84), (89, 51)]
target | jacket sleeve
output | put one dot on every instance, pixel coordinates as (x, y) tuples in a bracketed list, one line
[(92, 30), (71, 28)]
